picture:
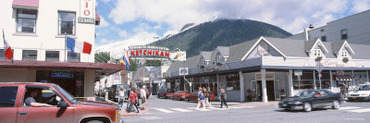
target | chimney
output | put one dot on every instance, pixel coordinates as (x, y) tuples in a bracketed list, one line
[(306, 31)]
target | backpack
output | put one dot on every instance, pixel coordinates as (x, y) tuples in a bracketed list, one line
[(201, 96)]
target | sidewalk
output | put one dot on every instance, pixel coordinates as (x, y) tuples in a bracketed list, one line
[(124, 113)]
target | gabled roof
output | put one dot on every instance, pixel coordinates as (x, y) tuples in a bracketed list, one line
[(256, 44), (223, 50), (239, 50), (309, 45), (206, 55), (336, 46)]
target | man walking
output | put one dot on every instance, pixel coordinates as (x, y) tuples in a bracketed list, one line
[(223, 98), (132, 100), (143, 97)]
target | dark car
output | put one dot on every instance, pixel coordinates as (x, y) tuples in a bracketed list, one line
[(307, 100), (162, 93)]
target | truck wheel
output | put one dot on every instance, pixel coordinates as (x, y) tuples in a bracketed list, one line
[(95, 120)]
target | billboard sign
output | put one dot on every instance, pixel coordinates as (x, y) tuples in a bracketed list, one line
[(178, 56), (183, 71)]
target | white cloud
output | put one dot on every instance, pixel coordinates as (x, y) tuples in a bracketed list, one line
[(282, 13), (360, 5), (103, 23), (123, 33)]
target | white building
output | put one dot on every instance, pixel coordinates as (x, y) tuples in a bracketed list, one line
[(36, 30), (354, 29)]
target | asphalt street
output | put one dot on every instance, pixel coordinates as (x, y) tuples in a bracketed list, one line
[(170, 111)]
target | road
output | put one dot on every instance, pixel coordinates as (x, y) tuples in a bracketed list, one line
[(170, 111)]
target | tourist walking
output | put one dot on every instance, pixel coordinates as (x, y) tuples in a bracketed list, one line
[(143, 96), (121, 97), (207, 94), (223, 98), (133, 101), (201, 98)]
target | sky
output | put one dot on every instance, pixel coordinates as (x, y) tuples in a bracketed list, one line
[(122, 20)]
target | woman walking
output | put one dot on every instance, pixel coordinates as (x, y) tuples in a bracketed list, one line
[(223, 98), (201, 99), (121, 97), (208, 96)]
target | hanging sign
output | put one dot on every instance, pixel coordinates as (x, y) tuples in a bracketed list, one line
[(87, 12)]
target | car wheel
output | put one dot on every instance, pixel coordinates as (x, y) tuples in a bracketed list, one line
[(336, 104), (307, 107)]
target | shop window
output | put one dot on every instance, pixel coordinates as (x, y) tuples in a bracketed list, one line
[(67, 23), (73, 57), (344, 35), (26, 20), (29, 55), (232, 82), (52, 56), (8, 96)]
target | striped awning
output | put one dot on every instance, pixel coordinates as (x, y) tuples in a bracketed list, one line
[(343, 78)]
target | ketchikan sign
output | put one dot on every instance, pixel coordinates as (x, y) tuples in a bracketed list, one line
[(148, 51)]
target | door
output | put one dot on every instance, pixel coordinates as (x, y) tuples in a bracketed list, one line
[(52, 113), (8, 109), (270, 90)]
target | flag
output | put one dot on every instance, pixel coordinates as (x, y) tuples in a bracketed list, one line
[(8, 53), (125, 60), (78, 46)]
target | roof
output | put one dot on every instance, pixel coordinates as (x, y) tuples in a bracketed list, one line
[(239, 50), (223, 50), (206, 55), (362, 51), (335, 46), (289, 47)]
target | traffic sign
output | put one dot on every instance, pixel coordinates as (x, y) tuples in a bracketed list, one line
[(319, 67), (298, 72)]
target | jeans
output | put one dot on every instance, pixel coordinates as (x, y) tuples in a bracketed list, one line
[(120, 102), (224, 102), (131, 105)]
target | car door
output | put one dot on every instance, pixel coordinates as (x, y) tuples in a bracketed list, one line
[(52, 114), (8, 104)]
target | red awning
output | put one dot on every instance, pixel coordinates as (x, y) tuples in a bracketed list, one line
[(343, 78), (27, 4), (97, 18)]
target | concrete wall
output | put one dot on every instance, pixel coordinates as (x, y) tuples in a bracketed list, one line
[(89, 76), (46, 37), (17, 75)]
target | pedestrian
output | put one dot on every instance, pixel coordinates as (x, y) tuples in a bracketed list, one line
[(133, 99), (207, 94), (143, 96), (201, 99), (121, 97), (344, 90), (223, 98)]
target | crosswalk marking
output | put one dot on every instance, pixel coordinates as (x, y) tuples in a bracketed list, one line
[(348, 108), (181, 110), (163, 110), (360, 110)]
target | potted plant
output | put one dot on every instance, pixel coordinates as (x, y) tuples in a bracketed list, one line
[(319, 58)]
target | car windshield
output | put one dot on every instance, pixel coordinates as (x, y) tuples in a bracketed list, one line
[(305, 94), (362, 88), (69, 97)]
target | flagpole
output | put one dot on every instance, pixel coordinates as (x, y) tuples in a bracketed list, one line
[(65, 46)]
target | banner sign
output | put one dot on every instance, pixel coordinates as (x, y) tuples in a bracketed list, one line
[(178, 56), (87, 13), (183, 71)]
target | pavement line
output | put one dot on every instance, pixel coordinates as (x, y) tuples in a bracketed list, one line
[(347, 108), (163, 110), (181, 110), (360, 110)]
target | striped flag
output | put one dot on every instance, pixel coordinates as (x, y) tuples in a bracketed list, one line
[(125, 60), (8, 53)]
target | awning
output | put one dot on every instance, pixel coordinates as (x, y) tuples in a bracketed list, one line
[(26, 4), (343, 78), (97, 18)]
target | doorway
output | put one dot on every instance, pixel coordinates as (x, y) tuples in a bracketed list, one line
[(270, 90)]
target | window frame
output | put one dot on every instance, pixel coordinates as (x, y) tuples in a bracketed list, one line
[(317, 52), (60, 26), (46, 58), (17, 20), (69, 55), (23, 53), (344, 34), (16, 96)]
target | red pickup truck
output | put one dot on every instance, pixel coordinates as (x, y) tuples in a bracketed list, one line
[(54, 105)]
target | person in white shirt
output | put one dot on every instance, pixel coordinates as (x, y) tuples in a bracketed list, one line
[(121, 97), (143, 96)]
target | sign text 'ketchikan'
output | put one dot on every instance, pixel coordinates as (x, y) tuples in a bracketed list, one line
[(149, 52)]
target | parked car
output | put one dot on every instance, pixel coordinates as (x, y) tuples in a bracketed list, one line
[(180, 95), (63, 107), (307, 100), (194, 97), (361, 92), (113, 91), (162, 93), (169, 93)]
